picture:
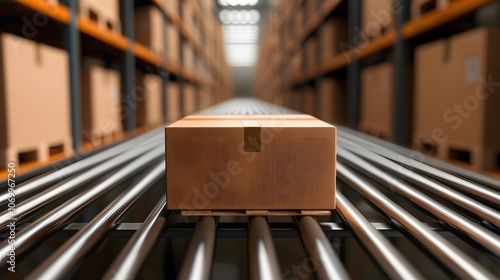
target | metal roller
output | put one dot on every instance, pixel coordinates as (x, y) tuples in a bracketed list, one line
[(262, 260), (483, 236), (31, 204), (197, 263), (449, 255), (72, 251), (81, 165), (56, 217), (326, 261), (384, 253), (131, 258)]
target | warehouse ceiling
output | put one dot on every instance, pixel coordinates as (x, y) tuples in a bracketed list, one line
[(243, 22)]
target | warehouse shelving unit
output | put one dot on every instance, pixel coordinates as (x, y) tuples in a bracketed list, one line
[(398, 39), (82, 36)]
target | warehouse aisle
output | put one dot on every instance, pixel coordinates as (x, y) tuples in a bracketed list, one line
[(412, 166)]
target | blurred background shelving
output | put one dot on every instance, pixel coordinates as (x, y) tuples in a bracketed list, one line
[(113, 54), (358, 63)]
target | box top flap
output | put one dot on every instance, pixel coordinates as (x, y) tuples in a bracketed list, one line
[(233, 121)]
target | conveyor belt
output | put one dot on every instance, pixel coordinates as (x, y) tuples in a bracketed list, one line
[(104, 216)]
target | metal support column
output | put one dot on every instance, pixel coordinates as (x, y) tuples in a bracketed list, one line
[(180, 80), (128, 65), (354, 67), (401, 117), (164, 75), (319, 77), (72, 45)]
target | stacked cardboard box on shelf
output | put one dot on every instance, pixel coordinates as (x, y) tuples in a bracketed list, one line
[(34, 100), (377, 16), (312, 7), (308, 101), (333, 34), (172, 5), (188, 57), (311, 59), (420, 7), (101, 102), (173, 101), (190, 100), (456, 102), (105, 13), (149, 100), (377, 95), (293, 100), (173, 48), (149, 28), (333, 100)]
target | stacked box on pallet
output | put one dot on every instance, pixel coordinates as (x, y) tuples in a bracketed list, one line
[(173, 46), (298, 21), (456, 98), (296, 66), (187, 57), (173, 102), (312, 8), (172, 5), (34, 100), (293, 100), (311, 59), (377, 95), (105, 13), (333, 33), (420, 7), (333, 101), (188, 17), (189, 97), (149, 112), (101, 102), (378, 16), (308, 101), (205, 98), (149, 28)]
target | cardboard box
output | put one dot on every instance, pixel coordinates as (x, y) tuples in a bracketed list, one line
[(104, 13), (187, 57), (420, 7), (333, 101), (149, 28), (377, 95), (188, 17), (309, 101), (34, 101), (173, 101), (205, 98), (149, 110), (294, 100), (190, 100), (456, 98), (312, 8), (311, 53), (333, 33), (258, 162), (171, 4), (101, 103), (173, 46), (377, 16)]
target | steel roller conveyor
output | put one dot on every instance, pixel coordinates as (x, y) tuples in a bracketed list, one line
[(385, 193)]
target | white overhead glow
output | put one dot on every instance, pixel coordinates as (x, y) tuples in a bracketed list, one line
[(235, 3), (241, 44), (241, 55), (240, 34), (239, 16)]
